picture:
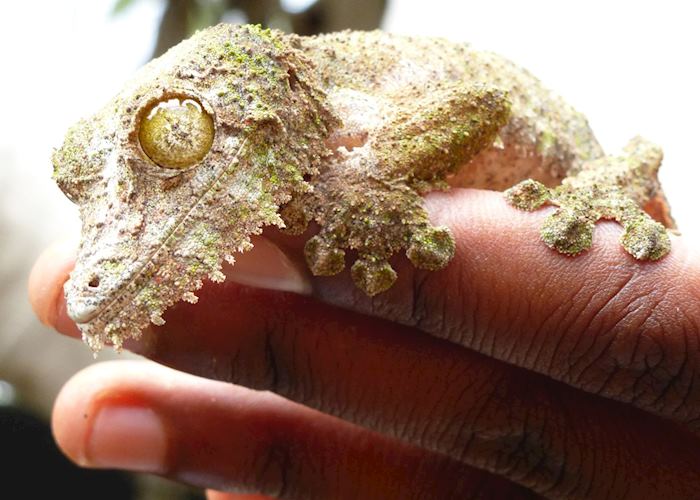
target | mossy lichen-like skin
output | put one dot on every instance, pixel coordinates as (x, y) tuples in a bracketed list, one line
[(347, 130), (606, 188)]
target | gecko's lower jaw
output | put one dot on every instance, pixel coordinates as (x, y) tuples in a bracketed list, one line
[(82, 314), (82, 311), (85, 299)]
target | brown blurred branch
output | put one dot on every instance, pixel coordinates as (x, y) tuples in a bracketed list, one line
[(182, 17)]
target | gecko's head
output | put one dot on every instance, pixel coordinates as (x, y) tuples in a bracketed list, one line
[(195, 154)]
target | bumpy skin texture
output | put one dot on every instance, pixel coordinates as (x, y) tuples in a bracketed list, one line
[(346, 130)]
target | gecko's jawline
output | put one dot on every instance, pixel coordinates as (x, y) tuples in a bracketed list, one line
[(89, 311), (84, 315), (84, 311)]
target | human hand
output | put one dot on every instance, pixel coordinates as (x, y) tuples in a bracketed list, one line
[(513, 368)]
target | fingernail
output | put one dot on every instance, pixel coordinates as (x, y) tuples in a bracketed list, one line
[(266, 266), (127, 437)]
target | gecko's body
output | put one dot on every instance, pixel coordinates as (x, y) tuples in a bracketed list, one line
[(239, 127)]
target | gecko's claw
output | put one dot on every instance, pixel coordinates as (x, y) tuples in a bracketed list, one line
[(372, 276), (528, 195), (567, 231)]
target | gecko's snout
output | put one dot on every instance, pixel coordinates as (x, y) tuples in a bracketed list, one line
[(82, 306), (93, 285), (82, 313)]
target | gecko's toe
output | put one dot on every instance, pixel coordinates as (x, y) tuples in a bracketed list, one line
[(295, 218), (372, 276), (567, 231), (323, 258), (431, 248), (645, 239), (528, 195)]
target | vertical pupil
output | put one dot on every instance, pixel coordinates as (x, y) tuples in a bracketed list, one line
[(176, 133)]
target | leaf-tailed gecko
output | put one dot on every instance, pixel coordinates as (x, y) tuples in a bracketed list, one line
[(241, 127)]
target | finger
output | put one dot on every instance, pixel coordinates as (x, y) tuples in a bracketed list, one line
[(220, 495), (601, 321), (46, 281), (144, 417), (532, 430)]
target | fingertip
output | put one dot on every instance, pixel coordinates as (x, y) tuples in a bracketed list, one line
[(97, 424), (71, 417), (45, 285)]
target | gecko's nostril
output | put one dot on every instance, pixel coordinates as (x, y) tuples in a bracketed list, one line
[(94, 282)]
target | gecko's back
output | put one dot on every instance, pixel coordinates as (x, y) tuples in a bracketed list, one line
[(370, 75)]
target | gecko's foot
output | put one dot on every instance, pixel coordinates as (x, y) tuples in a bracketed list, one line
[(568, 231), (430, 248), (427, 247), (645, 239), (376, 225), (527, 195), (607, 188)]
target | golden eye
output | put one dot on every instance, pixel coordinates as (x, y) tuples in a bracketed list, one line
[(176, 133)]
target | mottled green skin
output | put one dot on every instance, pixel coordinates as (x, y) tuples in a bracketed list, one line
[(346, 130)]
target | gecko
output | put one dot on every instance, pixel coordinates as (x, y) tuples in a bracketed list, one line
[(241, 127)]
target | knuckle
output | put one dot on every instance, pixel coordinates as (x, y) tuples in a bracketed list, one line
[(282, 360), (271, 472), (637, 346), (261, 361), (436, 302), (496, 427), (521, 451), (440, 304)]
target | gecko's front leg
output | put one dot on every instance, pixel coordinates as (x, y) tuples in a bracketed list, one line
[(368, 200), (612, 187)]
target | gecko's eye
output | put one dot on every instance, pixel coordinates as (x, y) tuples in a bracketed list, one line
[(176, 133)]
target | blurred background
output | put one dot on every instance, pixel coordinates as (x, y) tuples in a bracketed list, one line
[(631, 67)]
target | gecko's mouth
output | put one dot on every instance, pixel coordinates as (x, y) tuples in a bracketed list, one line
[(121, 306), (93, 293), (106, 287), (82, 311), (89, 298)]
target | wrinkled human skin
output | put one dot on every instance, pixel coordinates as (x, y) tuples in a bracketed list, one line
[(571, 378), (344, 130)]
